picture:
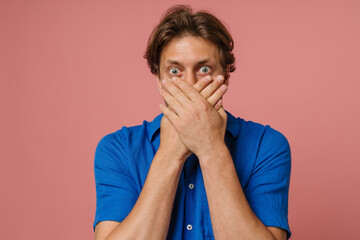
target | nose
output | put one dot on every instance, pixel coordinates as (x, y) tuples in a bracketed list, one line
[(190, 77)]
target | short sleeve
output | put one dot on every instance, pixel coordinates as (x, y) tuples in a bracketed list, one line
[(268, 187), (116, 192)]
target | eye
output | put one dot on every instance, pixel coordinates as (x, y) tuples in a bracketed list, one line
[(204, 70), (174, 71)]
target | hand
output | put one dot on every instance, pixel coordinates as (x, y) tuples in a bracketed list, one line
[(169, 139), (211, 92), (206, 87), (199, 125)]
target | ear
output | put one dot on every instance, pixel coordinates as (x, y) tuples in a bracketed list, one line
[(158, 82), (226, 81), (227, 75)]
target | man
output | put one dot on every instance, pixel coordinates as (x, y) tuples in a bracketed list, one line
[(195, 171)]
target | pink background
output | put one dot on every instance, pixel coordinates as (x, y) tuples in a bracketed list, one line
[(72, 72)]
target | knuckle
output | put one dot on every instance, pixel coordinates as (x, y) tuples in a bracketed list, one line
[(223, 88), (204, 93), (204, 105), (181, 125), (192, 111)]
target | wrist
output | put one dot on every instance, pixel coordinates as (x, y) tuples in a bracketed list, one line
[(215, 152), (172, 157)]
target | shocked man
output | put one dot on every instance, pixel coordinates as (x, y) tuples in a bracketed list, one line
[(195, 171)]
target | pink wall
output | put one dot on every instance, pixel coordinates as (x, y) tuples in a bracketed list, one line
[(72, 71)]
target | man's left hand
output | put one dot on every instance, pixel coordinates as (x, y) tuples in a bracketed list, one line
[(200, 127)]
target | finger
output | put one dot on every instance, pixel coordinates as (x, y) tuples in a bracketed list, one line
[(202, 83), (170, 108), (218, 105), (222, 113), (188, 90), (212, 87), (174, 90), (172, 102), (168, 114), (218, 94)]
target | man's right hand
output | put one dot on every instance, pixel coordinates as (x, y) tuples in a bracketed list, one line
[(170, 142)]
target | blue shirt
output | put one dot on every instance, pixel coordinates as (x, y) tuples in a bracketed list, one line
[(261, 157)]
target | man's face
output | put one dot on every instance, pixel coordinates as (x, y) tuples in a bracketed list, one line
[(189, 58)]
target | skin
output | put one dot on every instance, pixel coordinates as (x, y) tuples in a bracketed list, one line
[(155, 202), (201, 128), (193, 122), (189, 61)]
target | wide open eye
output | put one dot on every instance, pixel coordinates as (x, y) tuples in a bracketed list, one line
[(204, 70), (174, 71)]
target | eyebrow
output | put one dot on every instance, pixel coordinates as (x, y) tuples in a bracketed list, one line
[(198, 63)]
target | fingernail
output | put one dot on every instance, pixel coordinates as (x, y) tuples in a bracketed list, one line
[(163, 81), (223, 87), (220, 78)]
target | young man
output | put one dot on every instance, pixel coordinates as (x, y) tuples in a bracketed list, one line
[(195, 171)]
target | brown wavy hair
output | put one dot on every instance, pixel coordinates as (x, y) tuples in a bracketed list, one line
[(180, 21)]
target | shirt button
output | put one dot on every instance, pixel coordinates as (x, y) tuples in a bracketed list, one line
[(191, 186), (189, 227)]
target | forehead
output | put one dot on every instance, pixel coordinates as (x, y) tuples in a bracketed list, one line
[(189, 50)]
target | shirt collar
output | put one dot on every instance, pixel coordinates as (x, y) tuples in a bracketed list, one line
[(232, 125)]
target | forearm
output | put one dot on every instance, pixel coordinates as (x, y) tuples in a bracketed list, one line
[(231, 215), (150, 216)]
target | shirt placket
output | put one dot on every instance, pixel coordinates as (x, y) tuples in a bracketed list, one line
[(190, 188)]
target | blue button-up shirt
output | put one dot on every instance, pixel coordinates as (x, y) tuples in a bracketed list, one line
[(262, 160)]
